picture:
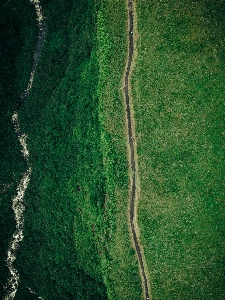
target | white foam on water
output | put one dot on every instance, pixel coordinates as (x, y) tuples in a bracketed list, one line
[(32, 292), (18, 208), (18, 204)]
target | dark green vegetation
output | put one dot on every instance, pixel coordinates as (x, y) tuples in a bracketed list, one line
[(178, 86), (17, 41), (76, 239)]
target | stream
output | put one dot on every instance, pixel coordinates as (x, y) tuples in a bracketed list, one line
[(18, 204)]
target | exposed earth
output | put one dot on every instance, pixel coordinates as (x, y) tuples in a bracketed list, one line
[(132, 159)]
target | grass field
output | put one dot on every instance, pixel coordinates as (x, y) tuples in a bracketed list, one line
[(178, 90)]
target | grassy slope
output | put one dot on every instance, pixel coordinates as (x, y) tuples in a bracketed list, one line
[(77, 198), (17, 38), (121, 274), (178, 88)]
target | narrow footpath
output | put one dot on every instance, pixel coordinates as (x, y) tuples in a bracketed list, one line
[(132, 151)]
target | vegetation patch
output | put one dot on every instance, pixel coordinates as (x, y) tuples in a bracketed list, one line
[(76, 240)]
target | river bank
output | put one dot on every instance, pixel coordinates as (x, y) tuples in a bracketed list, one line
[(18, 204)]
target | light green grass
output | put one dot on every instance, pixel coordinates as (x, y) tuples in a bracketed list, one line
[(178, 86), (121, 269)]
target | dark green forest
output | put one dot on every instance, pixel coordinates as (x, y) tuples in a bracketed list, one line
[(60, 120), (18, 37)]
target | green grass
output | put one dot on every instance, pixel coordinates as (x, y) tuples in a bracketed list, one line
[(121, 276), (178, 88)]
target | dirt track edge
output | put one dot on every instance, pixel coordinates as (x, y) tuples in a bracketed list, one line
[(132, 148)]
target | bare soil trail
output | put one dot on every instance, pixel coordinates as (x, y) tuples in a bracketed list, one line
[(132, 151)]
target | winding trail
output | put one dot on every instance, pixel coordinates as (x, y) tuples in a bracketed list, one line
[(132, 151), (18, 201)]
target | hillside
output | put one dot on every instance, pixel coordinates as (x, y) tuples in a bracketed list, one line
[(125, 132)]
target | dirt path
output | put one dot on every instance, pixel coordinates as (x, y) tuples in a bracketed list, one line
[(132, 151)]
